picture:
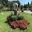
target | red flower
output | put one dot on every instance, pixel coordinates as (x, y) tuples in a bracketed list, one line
[(23, 24), (14, 24), (19, 23)]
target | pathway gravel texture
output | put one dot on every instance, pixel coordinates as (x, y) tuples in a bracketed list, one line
[(28, 11)]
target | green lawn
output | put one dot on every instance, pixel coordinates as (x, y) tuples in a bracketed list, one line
[(4, 27)]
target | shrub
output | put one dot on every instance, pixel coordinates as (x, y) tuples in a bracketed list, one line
[(17, 21), (9, 18), (20, 17), (14, 17)]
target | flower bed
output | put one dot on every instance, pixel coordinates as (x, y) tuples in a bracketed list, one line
[(17, 22)]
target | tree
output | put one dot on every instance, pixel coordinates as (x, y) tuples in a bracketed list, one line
[(25, 5), (4, 2), (31, 2), (18, 6), (22, 6), (11, 6), (28, 4), (18, 3)]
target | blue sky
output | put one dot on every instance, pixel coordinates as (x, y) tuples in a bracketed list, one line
[(23, 1)]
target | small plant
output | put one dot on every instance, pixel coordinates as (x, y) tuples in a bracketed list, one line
[(14, 17), (16, 21), (20, 17)]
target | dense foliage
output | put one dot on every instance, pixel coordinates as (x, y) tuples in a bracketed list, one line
[(20, 17), (17, 22), (14, 17)]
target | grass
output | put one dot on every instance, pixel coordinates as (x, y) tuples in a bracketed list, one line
[(4, 27)]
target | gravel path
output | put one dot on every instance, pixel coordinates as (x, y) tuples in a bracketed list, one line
[(28, 11)]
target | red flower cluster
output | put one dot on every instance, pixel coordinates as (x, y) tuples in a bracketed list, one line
[(19, 23)]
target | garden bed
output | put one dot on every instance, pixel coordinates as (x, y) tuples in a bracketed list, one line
[(17, 22)]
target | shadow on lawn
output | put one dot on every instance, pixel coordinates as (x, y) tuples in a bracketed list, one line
[(9, 24)]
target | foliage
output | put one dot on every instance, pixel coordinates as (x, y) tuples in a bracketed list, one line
[(14, 24), (5, 27), (31, 2), (17, 21), (22, 24), (14, 17), (20, 17), (1, 7), (4, 2), (15, 12), (25, 6), (22, 6), (18, 3)]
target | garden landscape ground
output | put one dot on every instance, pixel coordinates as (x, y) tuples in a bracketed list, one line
[(4, 27)]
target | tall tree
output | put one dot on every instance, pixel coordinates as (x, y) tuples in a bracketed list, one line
[(4, 2), (28, 4), (31, 2), (18, 3)]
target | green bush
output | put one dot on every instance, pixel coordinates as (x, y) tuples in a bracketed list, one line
[(14, 17), (20, 17)]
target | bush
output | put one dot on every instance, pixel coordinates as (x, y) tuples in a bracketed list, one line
[(17, 21), (11, 18), (20, 17), (14, 17)]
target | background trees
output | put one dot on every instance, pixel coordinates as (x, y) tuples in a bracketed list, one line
[(4, 2)]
